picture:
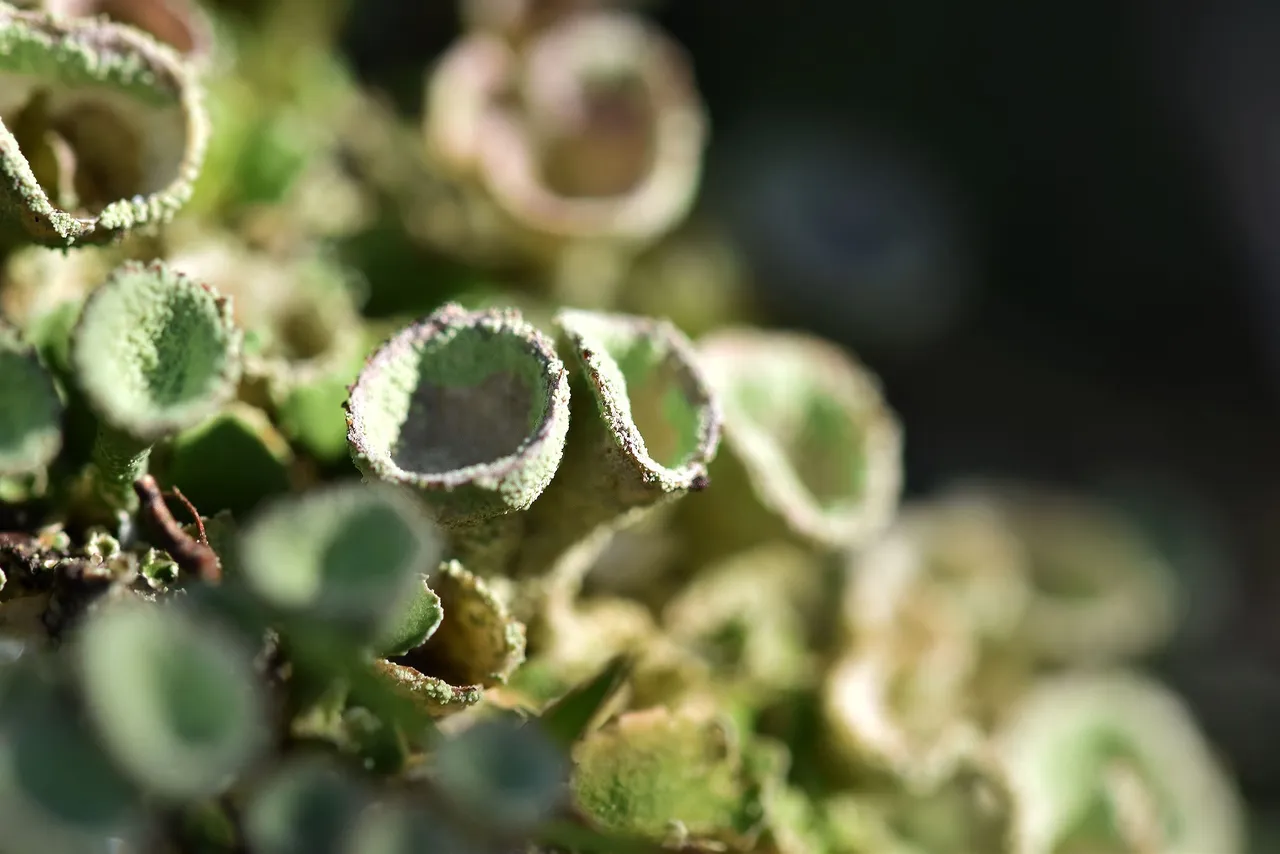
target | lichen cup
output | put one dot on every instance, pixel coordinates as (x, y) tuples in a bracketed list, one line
[(102, 129), (586, 137), (1114, 761), (154, 353), (646, 427), (471, 410), (813, 451)]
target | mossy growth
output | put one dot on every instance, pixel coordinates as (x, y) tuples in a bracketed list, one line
[(469, 408), (102, 129), (154, 353), (655, 773)]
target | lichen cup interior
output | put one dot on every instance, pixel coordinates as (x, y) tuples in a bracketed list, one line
[(469, 408)]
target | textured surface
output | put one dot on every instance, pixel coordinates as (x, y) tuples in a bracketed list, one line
[(114, 66)]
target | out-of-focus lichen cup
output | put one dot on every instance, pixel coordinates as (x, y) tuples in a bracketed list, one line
[(812, 450)]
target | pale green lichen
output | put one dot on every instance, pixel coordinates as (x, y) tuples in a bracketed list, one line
[(643, 433), (30, 409), (348, 559), (810, 440), (304, 807), (174, 698), (416, 626), (468, 408), (154, 353), (430, 695), (649, 770), (58, 791), (478, 642), (139, 93), (1100, 591), (1116, 761)]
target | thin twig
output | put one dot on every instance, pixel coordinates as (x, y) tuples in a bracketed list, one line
[(195, 514), (190, 555)]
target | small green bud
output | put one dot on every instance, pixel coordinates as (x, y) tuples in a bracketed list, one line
[(348, 557), (155, 353), (814, 451), (304, 807), (30, 408), (174, 697), (1115, 762), (505, 775), (431, 695), (644, 433), (471, 410), (110, 137)]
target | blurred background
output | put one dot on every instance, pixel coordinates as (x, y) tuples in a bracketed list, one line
[(1053, 230)]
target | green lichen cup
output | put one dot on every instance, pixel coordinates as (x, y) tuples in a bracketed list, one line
[(814, 451), (173, 696), (1115, 761), (59, 792), (30, 409), (102, 129), (349, 558), (646, 427), (305, 806), (155, 353), (470, 409)]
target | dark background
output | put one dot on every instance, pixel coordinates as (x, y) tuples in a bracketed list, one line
[(1053, 229)]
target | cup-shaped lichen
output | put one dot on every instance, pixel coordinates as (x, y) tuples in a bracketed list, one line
[(502, 773), (58, 791), (102, 129), (30, 408), (182, 712), (471, 410), (1100, 590), (1115, 762), (811, 441), (181, 24), (155, 353), (593, 129), (304, 807), (349, 557), (643, 433)]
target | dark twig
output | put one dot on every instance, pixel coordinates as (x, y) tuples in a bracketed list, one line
[(195, 514), (190, 555)]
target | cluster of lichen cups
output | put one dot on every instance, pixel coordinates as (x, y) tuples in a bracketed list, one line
[(604, 588)]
